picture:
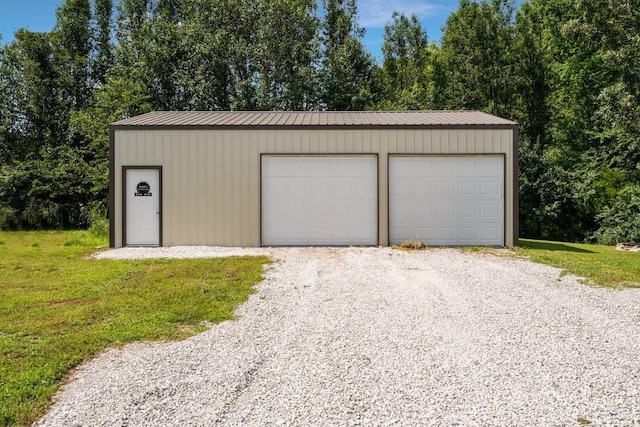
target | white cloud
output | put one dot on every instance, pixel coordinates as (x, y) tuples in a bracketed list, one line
[(377, 13)]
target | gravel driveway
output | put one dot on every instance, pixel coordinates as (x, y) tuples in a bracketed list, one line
[(376, 336)]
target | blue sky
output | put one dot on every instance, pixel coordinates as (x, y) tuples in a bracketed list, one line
[(39, 15)]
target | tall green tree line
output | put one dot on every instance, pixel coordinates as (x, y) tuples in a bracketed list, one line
[(567, 70)]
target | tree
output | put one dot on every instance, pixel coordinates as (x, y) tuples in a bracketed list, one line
[(72, 36), (288, 55), (532, 80), (410, 70), (38, 97), (477, 42), (206, 73), (347, 69), (532, 76), (5, 115), (104, 58)]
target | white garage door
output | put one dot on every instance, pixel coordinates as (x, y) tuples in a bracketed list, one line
[(443, 200), (319, 200)]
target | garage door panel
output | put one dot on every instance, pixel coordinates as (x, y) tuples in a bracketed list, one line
[(341, 189), (314, 210), (491, 188), (422, 210), (490, 212), (467, 188), (403, 187), (424, 233), (348, 210), (314, 232), (280, 209), (321, 200), (469, 167), (276, 188), (423, 188), (446, 211), (273, 169), (467, 206), (444, 165), (355, 167), (301, 186), (492, 167), (424, 173), (276, 231), (404, 234), (364, 185), (404, 167), (490, 234), (300, 169), (447, 235), (446, 188), (405, 210), (468, 211), (470, 234)]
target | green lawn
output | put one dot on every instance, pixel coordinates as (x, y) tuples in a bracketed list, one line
[(602, 265), (58, 308)]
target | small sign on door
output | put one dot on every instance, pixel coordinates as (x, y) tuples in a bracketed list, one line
[(143, 189)]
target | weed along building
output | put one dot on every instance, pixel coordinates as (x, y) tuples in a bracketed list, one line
[(313, 178)]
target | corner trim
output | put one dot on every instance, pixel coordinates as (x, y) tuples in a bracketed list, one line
[(112, 189), (516, 187)]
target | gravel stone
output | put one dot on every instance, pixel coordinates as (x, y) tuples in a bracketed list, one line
[(377, 336)]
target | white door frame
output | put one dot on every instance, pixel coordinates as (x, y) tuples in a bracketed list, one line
[(124, 201)]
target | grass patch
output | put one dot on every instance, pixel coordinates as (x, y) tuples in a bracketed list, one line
[(601, 265), (58, 309)]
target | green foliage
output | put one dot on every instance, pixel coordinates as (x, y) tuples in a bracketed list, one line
[(103, 33), (587, 123), (347, 69), (566, 70), (9, 218), (72, 37), (51, 192), (410, 75), (620, 219), (58, 309), (477, 46)]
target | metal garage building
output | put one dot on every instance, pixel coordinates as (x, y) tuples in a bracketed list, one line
[(313, 178)]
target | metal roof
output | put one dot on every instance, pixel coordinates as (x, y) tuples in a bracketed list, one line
[(333, 119)]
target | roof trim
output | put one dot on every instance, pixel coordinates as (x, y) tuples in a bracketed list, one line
[(313, 127), (414, 119)]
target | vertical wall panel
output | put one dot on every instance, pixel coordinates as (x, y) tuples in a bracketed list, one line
[(436, 145)]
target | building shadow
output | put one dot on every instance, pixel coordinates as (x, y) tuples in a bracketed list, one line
[(551, 246)]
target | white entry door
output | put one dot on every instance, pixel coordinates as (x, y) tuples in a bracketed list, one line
[(142, 206), (319, 200), (446, 200)]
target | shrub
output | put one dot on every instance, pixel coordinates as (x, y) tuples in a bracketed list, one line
[(98, 222), (8, 218), (413, 245), (620, 220)]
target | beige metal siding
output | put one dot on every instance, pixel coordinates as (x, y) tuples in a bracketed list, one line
[(211, 178)]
